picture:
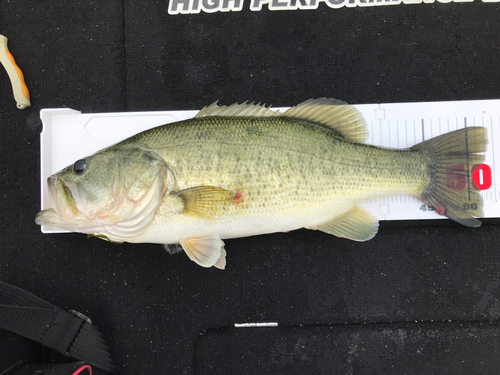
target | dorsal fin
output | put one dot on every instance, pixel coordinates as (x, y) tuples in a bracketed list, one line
[(335, 114), (241, 110)]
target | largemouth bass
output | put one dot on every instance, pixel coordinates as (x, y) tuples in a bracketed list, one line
[(243, 170)]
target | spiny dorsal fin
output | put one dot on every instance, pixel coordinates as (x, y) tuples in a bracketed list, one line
[(335, 114), (241, 110)]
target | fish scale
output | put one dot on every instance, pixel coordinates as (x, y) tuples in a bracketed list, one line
[(279, 171)]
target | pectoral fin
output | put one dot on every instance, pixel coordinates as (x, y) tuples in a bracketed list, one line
[(357, 224), (206, 251), (205, 201)]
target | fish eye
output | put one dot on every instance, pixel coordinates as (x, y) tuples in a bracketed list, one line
[(80, 166)]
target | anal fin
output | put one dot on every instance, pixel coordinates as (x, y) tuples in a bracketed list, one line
[(356, 224)]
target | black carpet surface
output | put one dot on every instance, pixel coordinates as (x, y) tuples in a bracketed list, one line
[(422, 297)]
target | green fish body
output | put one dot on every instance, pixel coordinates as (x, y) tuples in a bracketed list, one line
[(245, 170)]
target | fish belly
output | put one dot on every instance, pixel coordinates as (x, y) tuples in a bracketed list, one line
[(181, 227)]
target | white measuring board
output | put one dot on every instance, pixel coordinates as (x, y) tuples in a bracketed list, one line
[(69, 135)]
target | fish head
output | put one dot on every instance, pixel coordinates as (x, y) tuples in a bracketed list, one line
[(105, 189)]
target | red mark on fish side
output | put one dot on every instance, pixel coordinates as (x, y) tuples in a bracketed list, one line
[(440, 210), (238, 197)]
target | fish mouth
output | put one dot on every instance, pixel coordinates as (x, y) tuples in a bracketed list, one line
[(63, 202), (48, 217), (62, 198)]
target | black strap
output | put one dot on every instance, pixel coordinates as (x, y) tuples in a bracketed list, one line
[(70, 333)]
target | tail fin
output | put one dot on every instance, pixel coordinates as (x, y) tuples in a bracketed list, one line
[(451, 157)]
